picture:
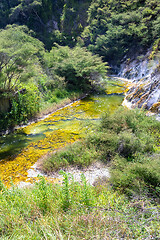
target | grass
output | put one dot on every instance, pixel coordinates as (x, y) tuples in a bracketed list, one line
[(124, 207), (128, 142), (56, 100), (75, 211), (77, 154)]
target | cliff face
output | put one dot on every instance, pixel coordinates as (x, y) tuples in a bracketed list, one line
[(143, 73)]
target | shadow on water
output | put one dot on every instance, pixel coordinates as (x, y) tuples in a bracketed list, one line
[(12, 144)]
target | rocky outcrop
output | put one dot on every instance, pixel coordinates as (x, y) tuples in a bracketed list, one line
[(143, 73)]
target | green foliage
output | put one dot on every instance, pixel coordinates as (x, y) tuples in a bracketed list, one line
[(18, 52), (25, 7), (23, 107), (42, 196), (24, 81), (137, 137), (87, 194), (105, 143), (47, 17), (20, 63), (115, 27), (140, 177), (32, 13), (37, 213), (5, 7), (128, 142), (155, 49), (77, 65), (73, 19), (65, 192), (78, 154)]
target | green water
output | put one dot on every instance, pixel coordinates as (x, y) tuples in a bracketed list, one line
[(20, 150)]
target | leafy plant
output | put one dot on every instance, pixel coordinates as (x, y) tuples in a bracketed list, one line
[(78, 66), (66, 202), (18, 51), (126, 141), (117, 27)]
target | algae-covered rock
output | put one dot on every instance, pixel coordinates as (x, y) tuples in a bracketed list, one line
[(155, 108)]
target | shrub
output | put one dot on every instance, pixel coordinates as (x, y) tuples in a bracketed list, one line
[(129, 144), (77, 65)]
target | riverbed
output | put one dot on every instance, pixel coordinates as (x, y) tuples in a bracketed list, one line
[(21, 150)]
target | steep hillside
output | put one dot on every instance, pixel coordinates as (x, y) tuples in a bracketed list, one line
[(117, 26), (52, 20)]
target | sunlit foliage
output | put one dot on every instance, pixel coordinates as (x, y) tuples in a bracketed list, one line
[(18, 52), (77, 65), (117, 26)]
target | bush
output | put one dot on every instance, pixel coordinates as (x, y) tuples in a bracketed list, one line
[(127, 142), (139, 177), (105, 144), (77, 154), (116, 28), (77, 65), (23, 107)]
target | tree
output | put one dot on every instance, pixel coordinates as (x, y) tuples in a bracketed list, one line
[(77, 65), (25, 10), (18, 51), (116, 26)]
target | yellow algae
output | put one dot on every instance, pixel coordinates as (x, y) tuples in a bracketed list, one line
[(58, 129), (129, 86), (110, 90), (137, 93), (18, 167), (115, 86)]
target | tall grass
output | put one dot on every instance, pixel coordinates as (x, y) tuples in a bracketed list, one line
[(128, 142), (125, 207), (75, 211)]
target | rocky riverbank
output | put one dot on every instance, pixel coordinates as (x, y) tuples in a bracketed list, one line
[(144, 88)]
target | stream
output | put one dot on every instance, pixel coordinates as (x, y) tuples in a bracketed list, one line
[(21, 150)]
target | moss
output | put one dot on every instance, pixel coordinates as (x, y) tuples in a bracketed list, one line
[(18, 167)]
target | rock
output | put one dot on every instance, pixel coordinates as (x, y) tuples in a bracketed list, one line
[(144, 74)]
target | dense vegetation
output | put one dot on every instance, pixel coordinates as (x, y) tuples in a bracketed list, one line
[(128, 141), (110, 28), (49, 52), (52, 20), (75, 211), (117, 27), (123, 207), (31, 76)]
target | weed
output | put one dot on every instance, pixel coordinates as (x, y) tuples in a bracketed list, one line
[(65, 192)]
